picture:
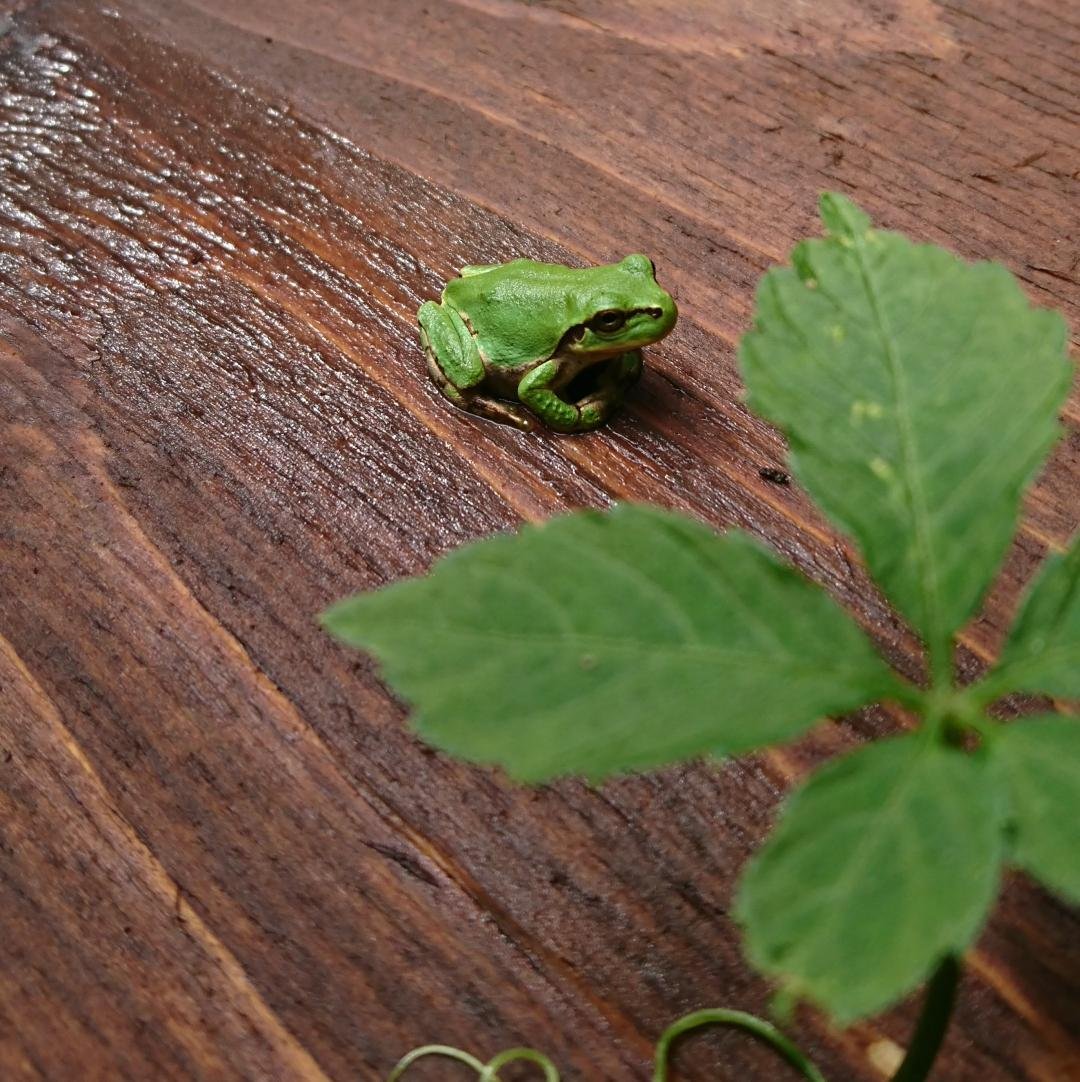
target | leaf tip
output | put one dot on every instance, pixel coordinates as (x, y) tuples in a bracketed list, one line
[(843, 220), (337, 620)]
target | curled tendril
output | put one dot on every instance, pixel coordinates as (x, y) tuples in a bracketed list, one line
[(487, 1072), (758, 1027), (530, 1055), (925, 1044)]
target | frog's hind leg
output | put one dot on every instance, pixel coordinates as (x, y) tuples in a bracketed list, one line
[(455, 370), (451, 352), (495, 409)]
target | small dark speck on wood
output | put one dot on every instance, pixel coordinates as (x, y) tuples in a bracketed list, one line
[(777, 477)]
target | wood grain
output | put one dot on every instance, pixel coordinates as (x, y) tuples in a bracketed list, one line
[(223, 856)]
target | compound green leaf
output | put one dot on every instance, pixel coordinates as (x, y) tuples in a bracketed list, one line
[(600, 643), (882, 863), (919, 394), (1042, 653), (1041, 758)]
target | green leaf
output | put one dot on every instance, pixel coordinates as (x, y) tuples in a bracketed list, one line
[(1042, 653), (919, 394), (600, 643), (1041, 758), (883, 862)]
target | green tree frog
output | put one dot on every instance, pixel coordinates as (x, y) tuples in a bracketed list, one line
[(524, 340)]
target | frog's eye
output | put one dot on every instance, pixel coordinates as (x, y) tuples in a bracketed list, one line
[(607, 322)]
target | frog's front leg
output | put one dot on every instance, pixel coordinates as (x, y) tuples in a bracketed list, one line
[(536, 391), (457, 367)]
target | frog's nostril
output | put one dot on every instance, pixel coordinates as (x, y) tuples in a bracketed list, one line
[(656, 313)]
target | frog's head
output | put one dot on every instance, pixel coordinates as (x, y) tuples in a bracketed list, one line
[(619, 308)]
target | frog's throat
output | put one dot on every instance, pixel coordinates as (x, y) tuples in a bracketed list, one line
[(572, 363), (572, 367)]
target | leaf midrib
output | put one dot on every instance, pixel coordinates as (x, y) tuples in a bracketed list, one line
[(635, 646), (913, 487), (913, 772)]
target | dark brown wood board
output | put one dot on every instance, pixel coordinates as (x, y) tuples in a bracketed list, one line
[(222, 855)]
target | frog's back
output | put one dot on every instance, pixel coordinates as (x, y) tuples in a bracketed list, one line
[(519, 311), (518, 272)]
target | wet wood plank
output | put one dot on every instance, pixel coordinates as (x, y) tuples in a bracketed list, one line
[(224, 856)]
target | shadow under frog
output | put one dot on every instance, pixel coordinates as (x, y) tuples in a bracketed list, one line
[(526, 340)]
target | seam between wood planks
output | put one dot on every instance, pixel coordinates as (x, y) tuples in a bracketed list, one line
[(520, 939)]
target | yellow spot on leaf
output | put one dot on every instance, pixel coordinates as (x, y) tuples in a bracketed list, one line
[(881, 469), (861, 410)]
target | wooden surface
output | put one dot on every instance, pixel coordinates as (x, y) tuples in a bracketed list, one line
[(221, 854)]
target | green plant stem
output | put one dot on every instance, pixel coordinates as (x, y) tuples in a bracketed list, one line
[(933, 1022), (758, 1027), (925, 1043)]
